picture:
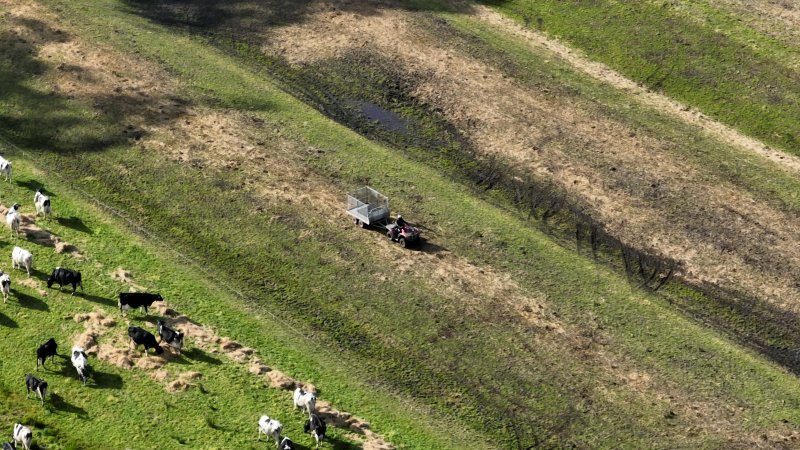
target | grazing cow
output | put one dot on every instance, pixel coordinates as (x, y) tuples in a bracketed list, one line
[(5, 285), (81, 363), (270, 427), (36, 385), (173, 338), (286, 444), (12, 219), (23, 435), (42, 203), (143, 337), (21, 258), (317, 427), (5, 168), (305, 400), (49, 348), (9, 446), (133, 300), (63, 277)]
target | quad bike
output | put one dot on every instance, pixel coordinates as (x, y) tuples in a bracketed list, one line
[(406, 235)]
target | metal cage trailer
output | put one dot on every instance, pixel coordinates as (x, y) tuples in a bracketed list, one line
[(368, 207)]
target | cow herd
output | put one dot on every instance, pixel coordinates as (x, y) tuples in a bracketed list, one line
[(23, 259)]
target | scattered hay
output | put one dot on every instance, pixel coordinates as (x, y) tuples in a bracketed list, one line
[(280, 380), (122, 358), (183, 382), (151, 362), (33, 284), (123, 276), (160, 375)]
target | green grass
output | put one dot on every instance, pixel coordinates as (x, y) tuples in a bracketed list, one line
[(373, 348), (697, 53)]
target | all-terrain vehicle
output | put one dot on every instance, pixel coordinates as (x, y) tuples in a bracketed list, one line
[(405, 234)]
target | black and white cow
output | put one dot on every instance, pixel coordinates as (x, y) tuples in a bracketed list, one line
[(173, 338), (49, 348), (143, 337), (286, 444), (33, 384), (5, 285), (80, 362), (64, 277), (305, 400), (23, 435), (9, 446), (13, 219), (5, 168), (317, 427), (42, 203), (270, 427), (133, 300)]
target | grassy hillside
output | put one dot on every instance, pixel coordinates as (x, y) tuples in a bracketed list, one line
[(531, 344)]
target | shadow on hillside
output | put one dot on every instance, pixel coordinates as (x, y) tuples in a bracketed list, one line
[(7, 322), (44, 119), (199, 355), (57, 402), (103, 380), (257, 16)]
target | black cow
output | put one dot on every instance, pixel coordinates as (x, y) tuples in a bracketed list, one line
[(36, 385), (170, 336), (317, 427), (286, 444), (49, 348), (133, 300), (63, 277), (145, 338), (9, 446)]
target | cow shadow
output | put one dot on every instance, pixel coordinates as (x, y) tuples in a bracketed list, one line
[(7, 321), (58, 403), (338, 444), (97, 299), (32, 185), (75, 223), (29, 301), (199, 355), (104, 380)]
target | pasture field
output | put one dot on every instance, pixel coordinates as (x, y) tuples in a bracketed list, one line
[(186, 155)]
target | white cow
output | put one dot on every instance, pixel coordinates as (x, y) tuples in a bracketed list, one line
[(12, 219), (23, 435), (5, 285), (42, 203), (21, 258), (270, 427), (5, 168), (80, 362), (305, 400)]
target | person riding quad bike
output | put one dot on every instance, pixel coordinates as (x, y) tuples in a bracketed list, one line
[(399, 223)]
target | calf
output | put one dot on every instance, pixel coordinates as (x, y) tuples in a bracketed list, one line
[(5, 285), (305, 400), (317, 427), (143, 337), (23, 435), (270, 427), (80, 362), (133, 300), (42, 203), (49, 348), (173, 338), (286, 444), (36, 385), (5, 168), (21, 258), (63, 277), (12, 219)]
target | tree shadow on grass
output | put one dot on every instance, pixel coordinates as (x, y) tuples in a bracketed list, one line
[(58, 403), (29, 301), (75, 223), (7, 322)]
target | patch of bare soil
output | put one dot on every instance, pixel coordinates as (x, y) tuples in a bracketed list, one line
[(33, 284)]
